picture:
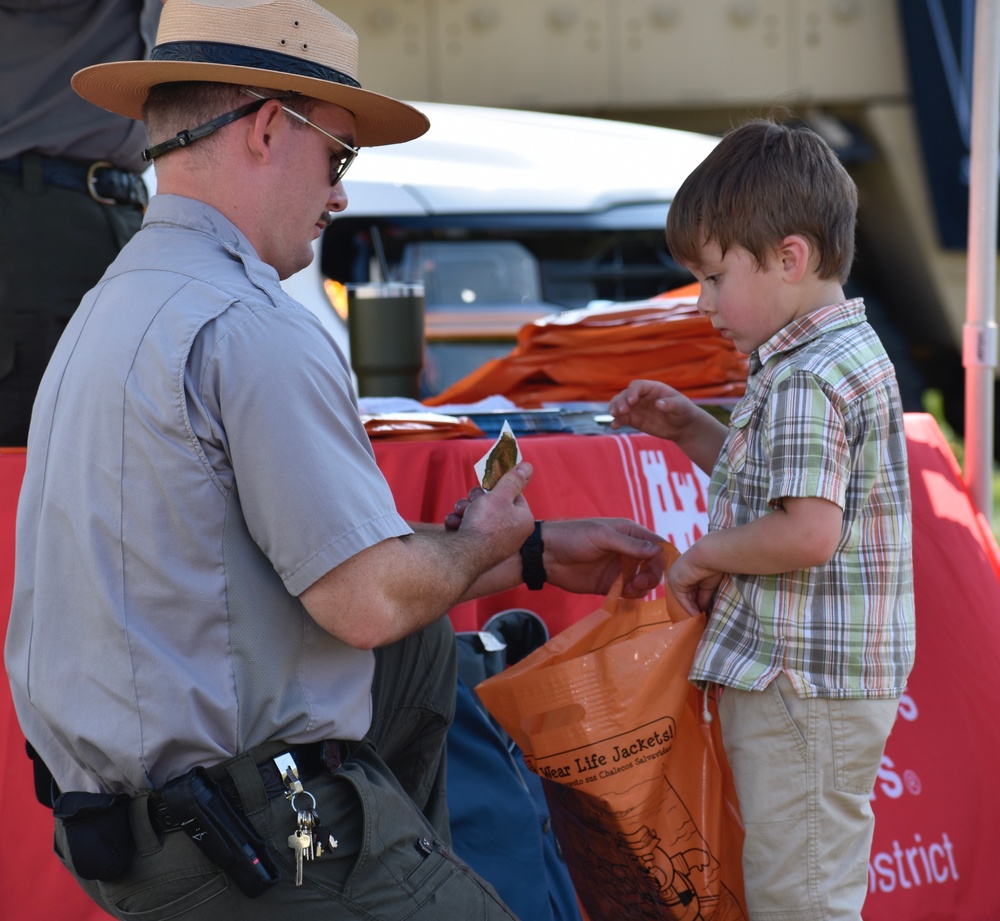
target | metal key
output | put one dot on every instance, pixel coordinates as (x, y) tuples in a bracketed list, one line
[(299, 842), (306, 821), (322, 840), (316, 832)]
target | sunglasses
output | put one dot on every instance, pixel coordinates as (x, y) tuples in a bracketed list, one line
[(339, 163)]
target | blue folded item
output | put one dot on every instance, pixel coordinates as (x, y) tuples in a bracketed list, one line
[(522, 421), (500, 820)]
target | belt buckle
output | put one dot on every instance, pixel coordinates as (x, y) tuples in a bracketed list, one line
[(92, 181)]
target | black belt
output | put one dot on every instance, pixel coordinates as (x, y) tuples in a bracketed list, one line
[(100, 180), (311, 759)]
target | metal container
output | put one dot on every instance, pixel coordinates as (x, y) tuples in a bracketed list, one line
[(385, 323)]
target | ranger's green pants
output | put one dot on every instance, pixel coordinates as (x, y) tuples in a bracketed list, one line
[(385, 806)]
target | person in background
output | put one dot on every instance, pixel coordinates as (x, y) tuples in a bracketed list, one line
[(806, 571), (227, 650), (71, 190)]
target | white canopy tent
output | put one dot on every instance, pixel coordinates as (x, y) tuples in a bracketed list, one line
[(979, 346)]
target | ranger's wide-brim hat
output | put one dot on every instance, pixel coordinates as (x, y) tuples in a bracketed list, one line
[(284, 45)]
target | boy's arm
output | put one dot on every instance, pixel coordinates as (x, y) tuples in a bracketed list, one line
[(803, 533), (702, 439)]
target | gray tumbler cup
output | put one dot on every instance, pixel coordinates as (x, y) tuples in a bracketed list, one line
[(385, 325)]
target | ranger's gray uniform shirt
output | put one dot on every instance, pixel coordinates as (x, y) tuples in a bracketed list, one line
[(196, 460)]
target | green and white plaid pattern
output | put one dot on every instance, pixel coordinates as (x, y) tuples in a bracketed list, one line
[(821, 418)]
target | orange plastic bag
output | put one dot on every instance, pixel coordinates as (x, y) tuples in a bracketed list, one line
[(637, 780)]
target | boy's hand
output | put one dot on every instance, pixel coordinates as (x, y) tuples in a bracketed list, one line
[(654, 408), (658, 409), (693, 585)]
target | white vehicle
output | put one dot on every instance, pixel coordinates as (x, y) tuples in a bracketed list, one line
[(504, 216)]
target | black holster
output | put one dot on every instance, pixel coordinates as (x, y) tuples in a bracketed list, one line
[(198, 805)]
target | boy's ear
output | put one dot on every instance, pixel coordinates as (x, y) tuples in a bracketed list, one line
[(795, 253)]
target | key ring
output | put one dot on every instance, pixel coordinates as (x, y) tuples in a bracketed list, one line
[(307, 793)]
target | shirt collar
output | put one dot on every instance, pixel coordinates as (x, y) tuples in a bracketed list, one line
[(197, 215), (804, 329)]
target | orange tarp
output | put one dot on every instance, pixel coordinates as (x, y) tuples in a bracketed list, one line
[(592, 354)]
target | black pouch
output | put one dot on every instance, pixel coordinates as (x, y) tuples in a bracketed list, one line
[(199, 806), (98, 833), (46, 790)]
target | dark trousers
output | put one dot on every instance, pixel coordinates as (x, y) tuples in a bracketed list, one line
[(55, 244), (385, 806)]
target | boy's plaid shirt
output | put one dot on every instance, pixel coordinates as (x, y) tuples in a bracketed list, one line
[(821, 418)]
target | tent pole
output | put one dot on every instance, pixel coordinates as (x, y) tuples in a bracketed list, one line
[(979, 339)]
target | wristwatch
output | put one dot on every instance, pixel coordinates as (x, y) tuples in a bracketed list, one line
[(532, 568)]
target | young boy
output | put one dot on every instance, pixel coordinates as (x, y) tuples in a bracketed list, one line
[(806, 571)]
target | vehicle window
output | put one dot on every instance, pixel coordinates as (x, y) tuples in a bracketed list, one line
[(576, 263), (464, 274), (487, 275)]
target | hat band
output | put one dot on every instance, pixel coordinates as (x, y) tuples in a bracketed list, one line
[(242, 56)]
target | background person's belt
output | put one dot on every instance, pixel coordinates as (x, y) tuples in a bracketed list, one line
[(100, 180), (311, 759)]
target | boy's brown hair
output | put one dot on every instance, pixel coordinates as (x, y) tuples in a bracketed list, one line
[(762, 182)]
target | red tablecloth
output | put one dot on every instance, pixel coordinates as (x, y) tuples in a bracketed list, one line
[(575, 476), (936, 800)]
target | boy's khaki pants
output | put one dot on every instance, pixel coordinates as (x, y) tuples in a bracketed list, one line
[(804, 770)]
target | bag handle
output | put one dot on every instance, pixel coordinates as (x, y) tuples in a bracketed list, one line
[(630, 566)]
